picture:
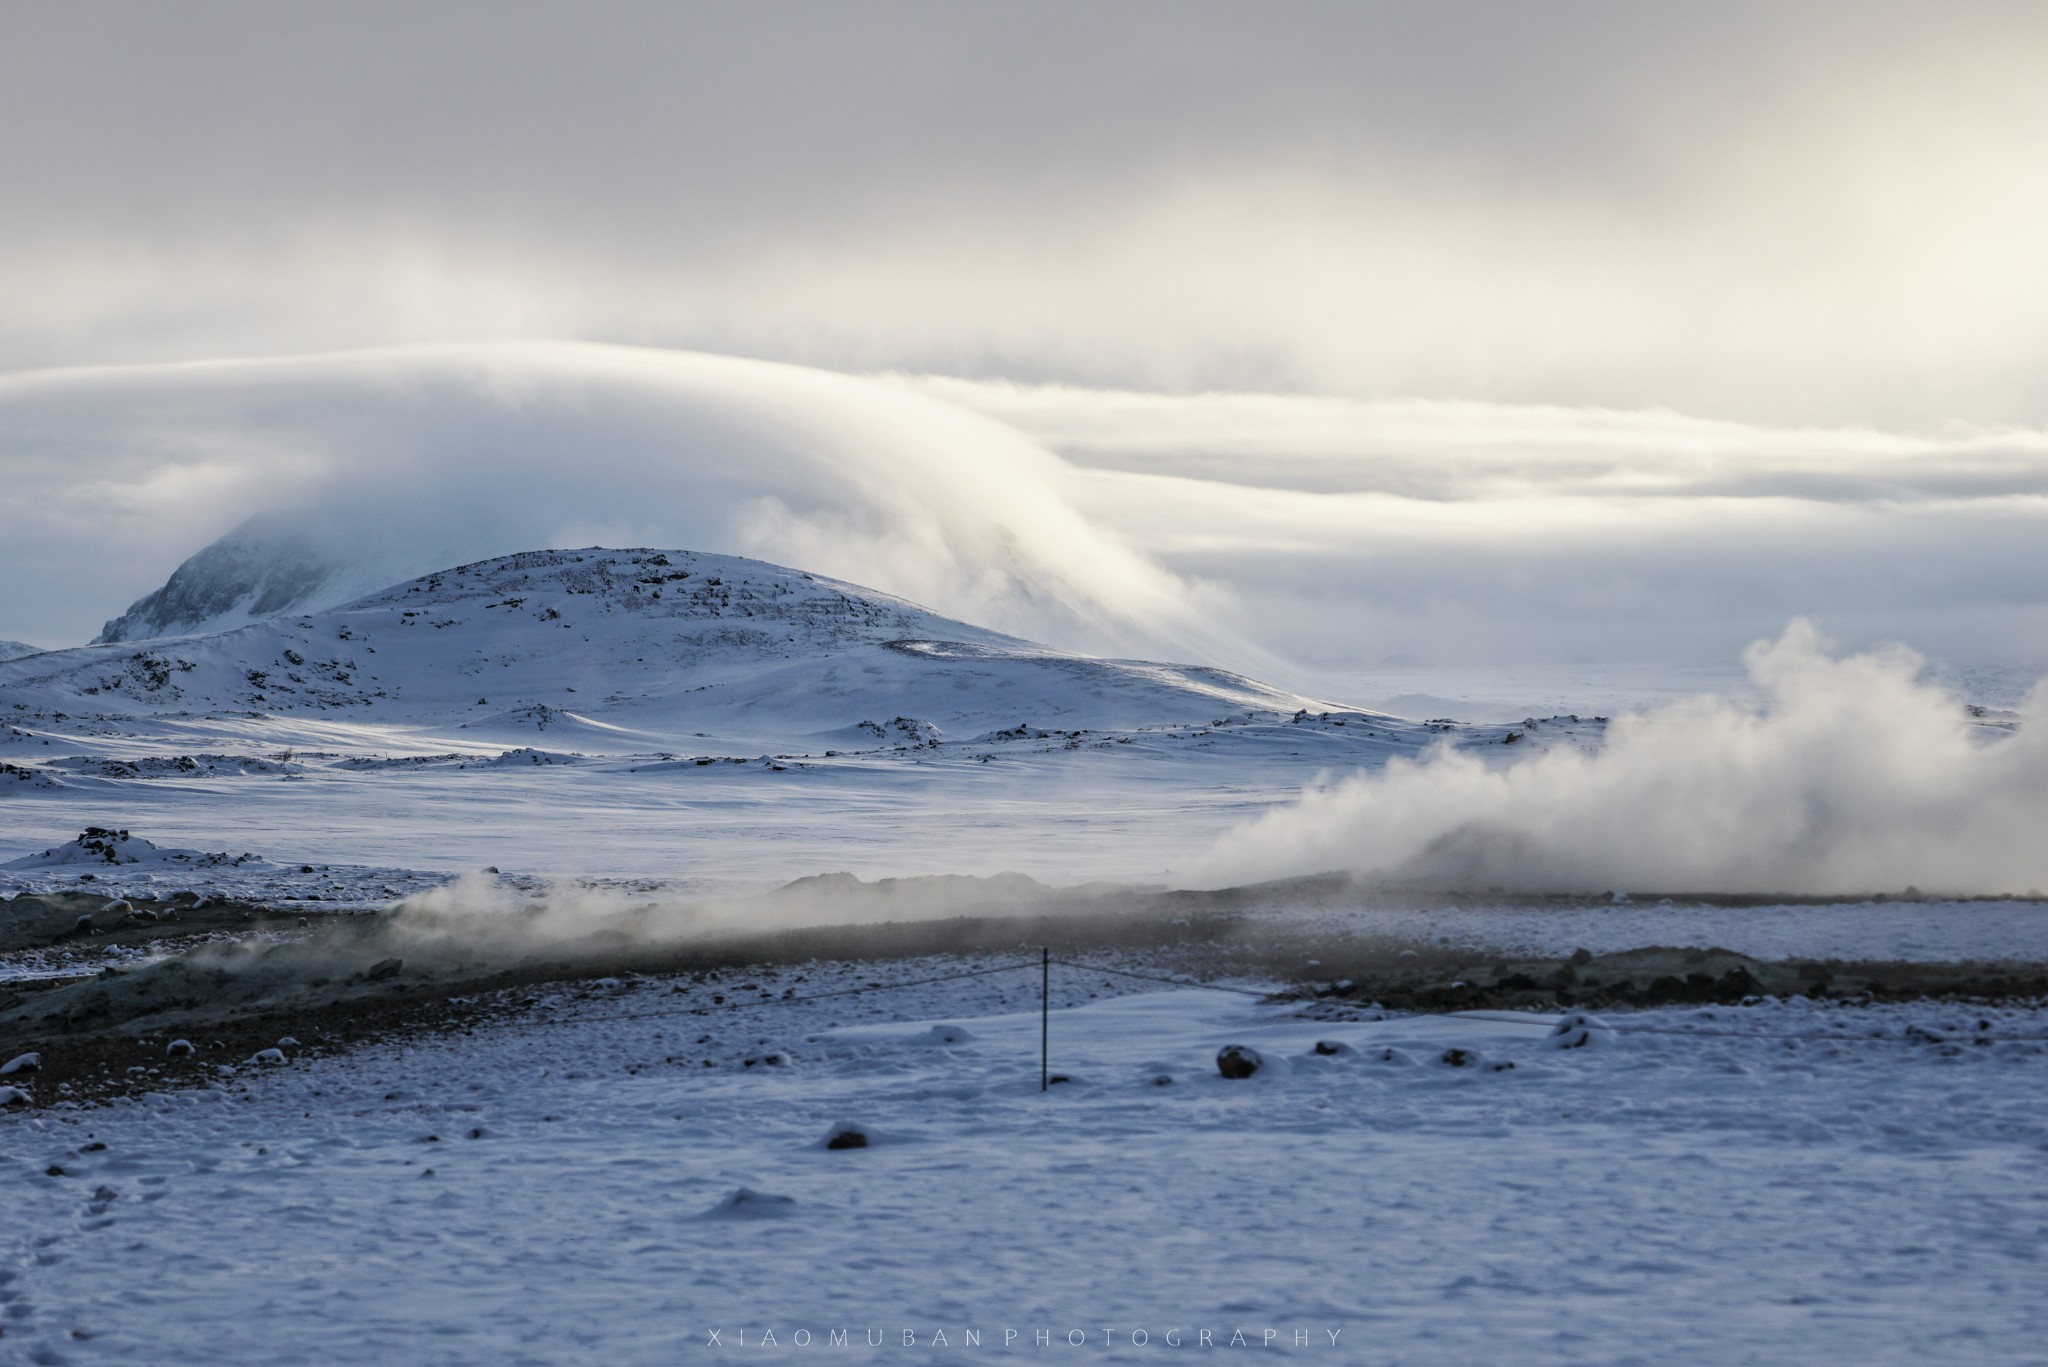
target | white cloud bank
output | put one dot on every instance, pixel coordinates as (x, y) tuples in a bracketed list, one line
[(1474, 533), (1854, 776)]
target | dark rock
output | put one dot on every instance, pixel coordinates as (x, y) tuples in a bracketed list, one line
[(1236, 1061), (1739, 982), (846, 1135), (383, 969)]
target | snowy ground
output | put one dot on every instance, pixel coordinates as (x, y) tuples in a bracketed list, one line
[(1781, 1183)]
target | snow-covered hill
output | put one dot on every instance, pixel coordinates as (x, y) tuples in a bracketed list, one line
[(617, 647), (706, 718), (14, 650)]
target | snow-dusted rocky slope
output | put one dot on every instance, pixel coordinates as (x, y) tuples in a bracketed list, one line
[(662, 642), (247, 575), (14, 650)]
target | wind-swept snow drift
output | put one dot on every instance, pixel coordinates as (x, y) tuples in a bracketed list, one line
[(1854, 777)]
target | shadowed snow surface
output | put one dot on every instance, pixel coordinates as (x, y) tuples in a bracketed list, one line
[(1866, 1188)]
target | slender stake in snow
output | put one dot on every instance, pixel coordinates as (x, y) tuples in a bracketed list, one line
[(1044, 1017)]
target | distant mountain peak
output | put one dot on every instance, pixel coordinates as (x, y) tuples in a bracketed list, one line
[(255, 571)]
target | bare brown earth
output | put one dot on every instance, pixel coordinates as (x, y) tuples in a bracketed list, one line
[(342, 979)]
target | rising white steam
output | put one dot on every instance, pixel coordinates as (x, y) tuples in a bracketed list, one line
[(1853, 776)]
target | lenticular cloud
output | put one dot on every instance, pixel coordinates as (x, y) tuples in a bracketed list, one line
[(1854, 775)]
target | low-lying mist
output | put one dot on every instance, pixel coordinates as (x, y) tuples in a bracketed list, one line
[(1854, 775), (481, 932)]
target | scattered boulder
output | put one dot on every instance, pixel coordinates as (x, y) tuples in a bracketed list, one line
[(1330, 1048), (267, 1056), (1400, 1058), (288, 1043), (1459, 1058), (22, 1063), (14, 1096), (104, 1194), (1578, 1029), (120, 906), (178, 1048), (846, 1135), (1237, 1061), (1162, 1079), (384, 969)]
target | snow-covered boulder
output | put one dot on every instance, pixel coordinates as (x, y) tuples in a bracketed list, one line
[(1579, 1029), (97, 845), (943, 1037), (20, 1064), (748, 1204), (846, 1135)]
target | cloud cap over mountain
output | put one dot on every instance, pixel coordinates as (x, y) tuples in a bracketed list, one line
[(369, 468)]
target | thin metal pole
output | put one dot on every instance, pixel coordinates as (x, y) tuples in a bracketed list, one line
[(1045, 1019)]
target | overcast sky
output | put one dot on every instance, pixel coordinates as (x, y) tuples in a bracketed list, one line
[(1625, 300)]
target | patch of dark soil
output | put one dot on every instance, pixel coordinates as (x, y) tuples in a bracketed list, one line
[(85, 920)]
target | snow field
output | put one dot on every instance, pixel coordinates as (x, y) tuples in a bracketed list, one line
[(1785, 1182)]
